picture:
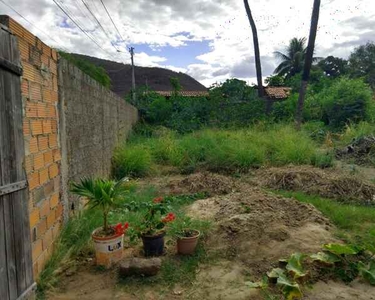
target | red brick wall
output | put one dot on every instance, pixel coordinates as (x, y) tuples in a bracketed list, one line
[(42, 149)]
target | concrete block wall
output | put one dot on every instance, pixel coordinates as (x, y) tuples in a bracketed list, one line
[(41, 135), (94, 121)]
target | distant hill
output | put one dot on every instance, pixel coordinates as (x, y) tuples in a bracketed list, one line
[(156, 78)]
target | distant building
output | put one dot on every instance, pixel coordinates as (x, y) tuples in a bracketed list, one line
[(277, 93), (168, 94)]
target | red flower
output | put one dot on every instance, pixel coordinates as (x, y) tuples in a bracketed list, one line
[(169, 218), (158, 200), (121, 229)]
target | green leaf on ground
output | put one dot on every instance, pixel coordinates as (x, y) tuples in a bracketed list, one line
[(340, 249), (275, 273), (367, 272), (258, 285), (294, 265), (290, 289), (325, 257)]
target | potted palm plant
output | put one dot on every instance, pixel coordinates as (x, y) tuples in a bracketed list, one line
[(152, 228), (104, 195), (187, 237)]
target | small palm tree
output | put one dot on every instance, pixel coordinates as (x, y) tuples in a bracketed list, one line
[(293, 60), (100, 193)]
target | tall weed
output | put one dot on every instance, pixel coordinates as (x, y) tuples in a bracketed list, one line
[(218, 150)]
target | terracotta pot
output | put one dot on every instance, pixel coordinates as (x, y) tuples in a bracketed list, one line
[(187, 245), (108, 249), (153, 245)]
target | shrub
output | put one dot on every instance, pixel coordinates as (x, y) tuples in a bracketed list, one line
[(275, 80), (285, 110), (189, 114), (131, 160), (143, 100), (346, 101), (159, 111), (97, 73)]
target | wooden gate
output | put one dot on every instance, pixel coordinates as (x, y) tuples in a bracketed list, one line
[(16, 273)]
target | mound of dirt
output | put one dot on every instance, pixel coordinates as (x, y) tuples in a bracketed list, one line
[(348, 188), (361, 151), (257, 229), (210, 183)]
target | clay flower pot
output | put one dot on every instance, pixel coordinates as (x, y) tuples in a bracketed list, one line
[(153, 245), (108, 249), (186, 245)]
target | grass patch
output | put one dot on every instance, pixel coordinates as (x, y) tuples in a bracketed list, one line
[(72, 240), (356, 224), (222, 150), (131, 161)]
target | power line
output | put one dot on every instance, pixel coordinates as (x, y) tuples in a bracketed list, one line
[(64, 11), (42, 31), (76, 18), (82, 11), (100, 25), (112, 20)]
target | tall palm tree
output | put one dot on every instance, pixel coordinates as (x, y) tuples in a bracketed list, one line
[(258, 65), (293, 59), (308, 62)]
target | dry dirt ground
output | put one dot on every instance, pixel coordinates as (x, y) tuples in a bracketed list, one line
[(252, 230)]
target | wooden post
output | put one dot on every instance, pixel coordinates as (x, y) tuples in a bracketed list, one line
[(131, 50)]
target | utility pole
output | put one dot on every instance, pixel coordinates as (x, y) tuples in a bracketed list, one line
[(131, 50)]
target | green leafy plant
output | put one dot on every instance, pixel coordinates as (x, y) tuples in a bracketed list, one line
[(294, 265), (260, 284), (102, 194), (182, 228), (341, 249), (274, 274), (325, 258), (291, 290), (367, 271), (155, 218), (185, 226)]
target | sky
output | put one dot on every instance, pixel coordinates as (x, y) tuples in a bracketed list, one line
[(210, 40)]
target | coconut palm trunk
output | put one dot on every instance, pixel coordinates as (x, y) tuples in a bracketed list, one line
[(256, 49), (308, 62)]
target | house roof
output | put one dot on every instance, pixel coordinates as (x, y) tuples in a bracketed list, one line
[(184, 93), (277, 92)]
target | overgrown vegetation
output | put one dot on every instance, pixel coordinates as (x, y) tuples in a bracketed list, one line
[(97, 73), (218, 150), (232, 103)]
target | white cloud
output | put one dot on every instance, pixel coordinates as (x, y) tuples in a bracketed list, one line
[(343, 25)]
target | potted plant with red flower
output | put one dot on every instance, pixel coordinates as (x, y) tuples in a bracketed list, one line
[(152, 228), (104, 195)]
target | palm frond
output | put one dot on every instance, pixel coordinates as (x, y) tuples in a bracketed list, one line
[(283, 65), (281, 56)]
